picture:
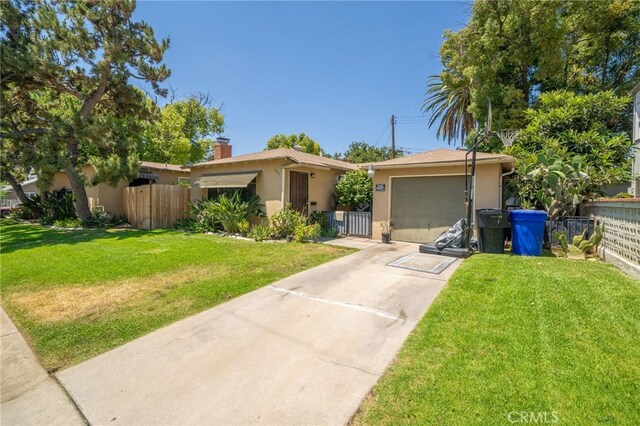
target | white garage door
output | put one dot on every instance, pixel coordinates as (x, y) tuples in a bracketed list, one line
[(424, 207)]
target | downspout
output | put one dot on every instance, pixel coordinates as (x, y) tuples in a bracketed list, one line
[(513, 169), (283, 184)]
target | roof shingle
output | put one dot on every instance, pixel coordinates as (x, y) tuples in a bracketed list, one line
[(437, 156), (284, 153)]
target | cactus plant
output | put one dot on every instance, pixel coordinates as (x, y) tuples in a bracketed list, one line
[(580, 245)]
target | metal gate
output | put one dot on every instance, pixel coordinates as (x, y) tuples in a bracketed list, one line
[(356, 224), (571, 225)]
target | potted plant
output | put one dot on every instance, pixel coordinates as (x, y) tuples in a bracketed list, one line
[(386, 231)]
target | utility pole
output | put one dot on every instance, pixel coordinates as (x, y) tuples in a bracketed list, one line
[(393, 136)]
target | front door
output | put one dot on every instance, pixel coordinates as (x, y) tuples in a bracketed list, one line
[(299, 190)]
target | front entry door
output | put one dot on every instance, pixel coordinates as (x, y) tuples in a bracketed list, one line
[(299, 190)]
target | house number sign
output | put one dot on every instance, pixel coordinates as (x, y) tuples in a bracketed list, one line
[(380, 187)]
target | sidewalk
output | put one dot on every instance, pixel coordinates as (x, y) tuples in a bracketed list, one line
[(28, 396)]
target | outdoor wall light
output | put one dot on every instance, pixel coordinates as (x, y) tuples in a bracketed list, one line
[(313, 175), (371, 173)]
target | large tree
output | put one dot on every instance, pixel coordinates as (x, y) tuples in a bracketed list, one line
[(510, 51), (361, 152), (80, 56), (566, 124), (292, 141), (183, 133)]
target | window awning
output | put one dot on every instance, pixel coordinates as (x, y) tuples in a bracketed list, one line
[(227, 180), (148, 175)]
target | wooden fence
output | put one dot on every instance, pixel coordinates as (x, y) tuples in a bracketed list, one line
[(155, 206)]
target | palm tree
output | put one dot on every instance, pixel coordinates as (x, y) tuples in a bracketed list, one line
[(449, 103)]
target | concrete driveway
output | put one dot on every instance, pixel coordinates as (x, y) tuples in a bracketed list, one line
[(304, 350)]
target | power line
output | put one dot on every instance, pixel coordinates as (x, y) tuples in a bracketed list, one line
[(384, 131)]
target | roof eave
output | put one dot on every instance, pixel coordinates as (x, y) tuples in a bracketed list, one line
[(444, 163)]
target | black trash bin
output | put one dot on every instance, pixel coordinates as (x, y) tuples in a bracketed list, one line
[(491, 225)]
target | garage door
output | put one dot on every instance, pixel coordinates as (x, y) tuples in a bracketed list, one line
[(423, 207)]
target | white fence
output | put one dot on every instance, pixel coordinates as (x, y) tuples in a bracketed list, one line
[(621, 241)]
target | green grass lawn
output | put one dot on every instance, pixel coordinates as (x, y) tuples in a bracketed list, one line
[(75, 294), (509, 335)]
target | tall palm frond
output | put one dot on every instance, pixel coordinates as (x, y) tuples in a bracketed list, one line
[(450, 105)]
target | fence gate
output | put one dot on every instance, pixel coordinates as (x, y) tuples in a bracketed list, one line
[(356, 224), (155, 206)]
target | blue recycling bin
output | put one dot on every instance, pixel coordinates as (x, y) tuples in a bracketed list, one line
[(527, 231)]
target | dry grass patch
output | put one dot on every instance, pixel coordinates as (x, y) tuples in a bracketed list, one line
[(77, 301)]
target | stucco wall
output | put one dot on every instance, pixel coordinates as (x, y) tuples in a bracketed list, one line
[(111, 197), (487, 192), (321, 186), (269, 182)]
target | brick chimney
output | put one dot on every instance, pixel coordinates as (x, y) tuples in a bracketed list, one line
[(221, 149)]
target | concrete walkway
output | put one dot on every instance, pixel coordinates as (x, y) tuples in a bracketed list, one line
[(28, 396), (305, 350)]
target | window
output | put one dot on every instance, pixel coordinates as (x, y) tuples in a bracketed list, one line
[(250, 190)]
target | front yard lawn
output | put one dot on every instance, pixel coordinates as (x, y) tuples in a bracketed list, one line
[(75, 294), (545, 338)]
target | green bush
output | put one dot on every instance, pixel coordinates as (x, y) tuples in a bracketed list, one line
[(188, 225), (202, 214), (306, 232), (329, 233), (68, 223), (284, 222), (355, 189), (261, 232), (24, 212), (48, 208), (103, 220), (229, 213), (233, 211)]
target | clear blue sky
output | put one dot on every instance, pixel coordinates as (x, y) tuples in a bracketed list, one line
[(336, 71)]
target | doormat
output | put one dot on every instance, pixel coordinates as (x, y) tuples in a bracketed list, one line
[(421, 262)]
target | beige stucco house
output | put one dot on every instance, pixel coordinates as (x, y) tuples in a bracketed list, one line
[(424, 194), (278, 176), (107, 196)]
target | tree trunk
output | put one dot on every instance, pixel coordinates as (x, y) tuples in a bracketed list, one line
[(17, 188), (81, 201), (525, 82)]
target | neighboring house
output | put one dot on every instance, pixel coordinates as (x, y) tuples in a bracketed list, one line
[(634, 190), (424, 194), (277, 176), (107, 196)]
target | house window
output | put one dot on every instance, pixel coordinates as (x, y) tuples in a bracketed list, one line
[(250, 190)]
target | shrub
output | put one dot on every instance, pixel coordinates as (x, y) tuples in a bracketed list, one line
[(355, 189), (103, 220), (261, 232), (232, 212), (306, 232), (329, 233), (188, 225), (244, 227), (68, 223), (24, 212), (48, 208), (202, 213), (284, 222)]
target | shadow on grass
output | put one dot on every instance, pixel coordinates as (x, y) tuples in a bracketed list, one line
[(14, 237)]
